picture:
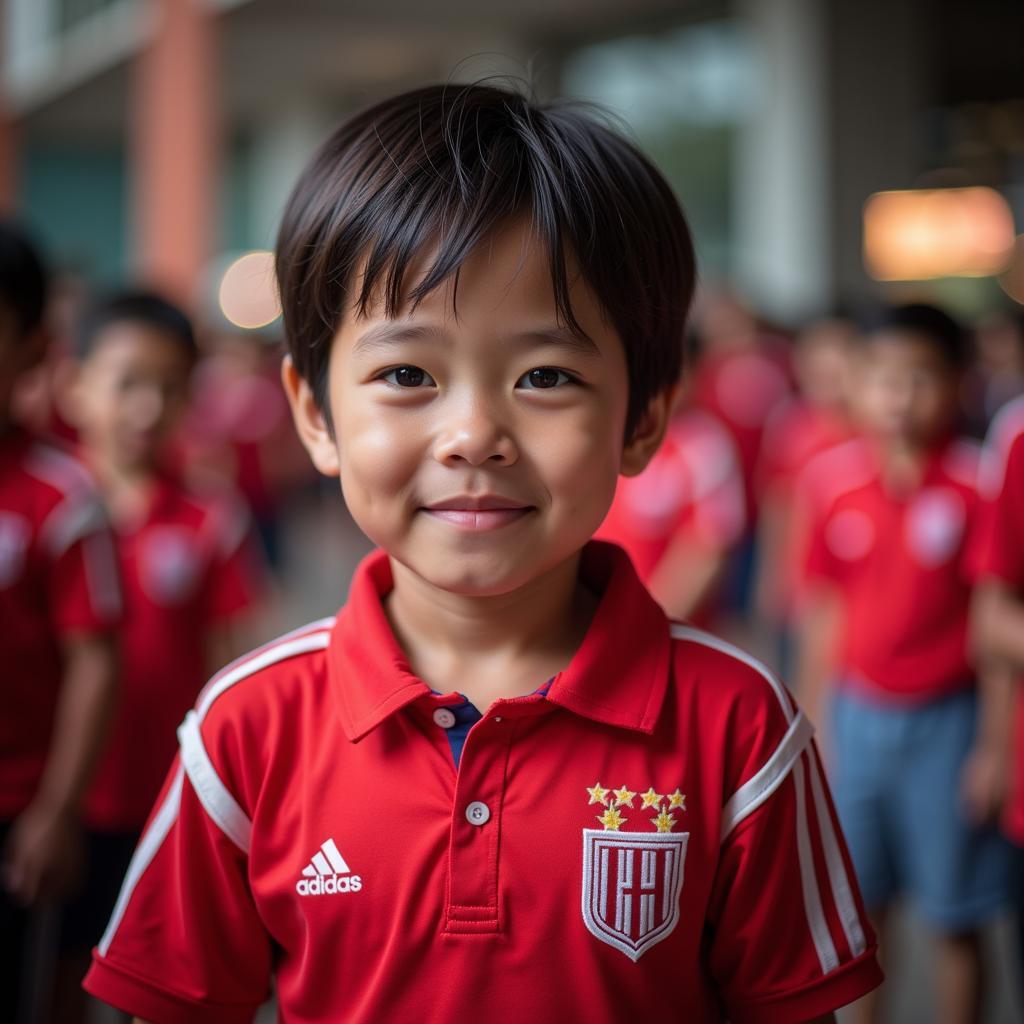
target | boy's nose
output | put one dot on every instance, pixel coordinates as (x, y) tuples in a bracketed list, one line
[(475, 437)]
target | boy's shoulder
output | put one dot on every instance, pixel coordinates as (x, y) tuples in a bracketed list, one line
[(961, 463), (1004, 434), (837, 471), (52, 487), (742, 715), (263, 681), (53, 468), (215, 511)]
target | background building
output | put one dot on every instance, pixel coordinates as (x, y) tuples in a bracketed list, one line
[(147, 137)]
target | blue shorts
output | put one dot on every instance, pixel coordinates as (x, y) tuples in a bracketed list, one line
[(896, 777)]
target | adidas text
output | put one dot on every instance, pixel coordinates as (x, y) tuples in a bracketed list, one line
[(322, 885)]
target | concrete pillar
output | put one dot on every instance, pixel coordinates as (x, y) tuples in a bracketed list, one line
[(878, 87), (286, 138), (174, 149), (781, 185)]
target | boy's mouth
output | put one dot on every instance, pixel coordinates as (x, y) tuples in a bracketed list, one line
[(481, 512)]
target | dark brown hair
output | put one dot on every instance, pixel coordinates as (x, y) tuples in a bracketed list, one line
[(443, 166)]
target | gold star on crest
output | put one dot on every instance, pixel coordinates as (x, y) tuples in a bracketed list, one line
[(664, 822), (650, 798), (624, 797), (598, 794), (611, 819), (677, 799)]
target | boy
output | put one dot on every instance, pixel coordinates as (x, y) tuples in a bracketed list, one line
[(475, 791), (803, 425), (186, 568), (998, 620), (59, 602), (885, 617)]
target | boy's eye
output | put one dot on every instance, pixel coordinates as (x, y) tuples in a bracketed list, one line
[(407, 377), (544, 377)]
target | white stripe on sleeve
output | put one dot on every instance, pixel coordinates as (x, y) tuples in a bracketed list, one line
[(823, 944), (152, 840), (841, 890), (218, 803), (789, 759), (759, 787)]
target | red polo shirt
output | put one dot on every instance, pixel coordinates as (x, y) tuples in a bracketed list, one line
[(692, 487), (900, 564), (652, 839), (186, 568), (1001, 554), (58, 576)]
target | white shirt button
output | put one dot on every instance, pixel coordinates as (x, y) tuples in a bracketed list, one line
[(444, 718), (478, 813)]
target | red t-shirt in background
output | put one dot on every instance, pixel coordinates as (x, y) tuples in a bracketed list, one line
[(188, 567), (58, 577), (693, 486), (1001, 554), (900, 563)]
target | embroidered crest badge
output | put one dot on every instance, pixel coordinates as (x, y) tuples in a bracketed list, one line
[(632, 880)]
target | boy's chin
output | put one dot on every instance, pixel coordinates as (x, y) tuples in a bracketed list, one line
[(476, 577)]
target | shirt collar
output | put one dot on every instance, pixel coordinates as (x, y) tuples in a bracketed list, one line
[(617, 677)]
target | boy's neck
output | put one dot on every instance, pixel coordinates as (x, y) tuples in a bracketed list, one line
[(490, 647), (126, 489), (904, 462)]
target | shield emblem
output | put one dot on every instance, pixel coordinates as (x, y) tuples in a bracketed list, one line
[(631, 886)]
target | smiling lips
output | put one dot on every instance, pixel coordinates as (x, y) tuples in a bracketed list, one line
[(486, 512)]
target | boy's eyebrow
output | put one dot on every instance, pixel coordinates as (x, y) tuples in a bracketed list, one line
[(389, 333), (579, 342)]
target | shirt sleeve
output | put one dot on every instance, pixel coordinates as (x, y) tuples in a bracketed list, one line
[(819, 561), (718, 515), (237, 571), (790, 939), (84, 583), (1001, 547), (185, 943)]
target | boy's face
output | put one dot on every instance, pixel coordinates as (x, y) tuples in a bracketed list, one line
[(480, 450), (903, 389), (130, 390)]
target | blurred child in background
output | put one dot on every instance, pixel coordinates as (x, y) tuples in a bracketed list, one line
[(59, 602), (885, 630), (997, 375), (741, 377), (187, 562), (683, 515), (801, 426), (238, 428), (999, 605)]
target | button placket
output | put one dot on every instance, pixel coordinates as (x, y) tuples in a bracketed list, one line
[(474, 845)]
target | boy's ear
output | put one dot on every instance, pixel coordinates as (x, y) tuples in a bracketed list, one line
[(309, 420), (649, 432)]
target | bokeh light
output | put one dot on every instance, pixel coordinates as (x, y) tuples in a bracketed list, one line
[(248, 295), (1011, 280), (931, 233)]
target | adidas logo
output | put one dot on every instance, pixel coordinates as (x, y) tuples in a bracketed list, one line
[(327, 873)]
